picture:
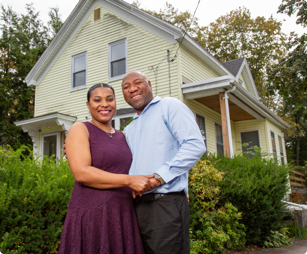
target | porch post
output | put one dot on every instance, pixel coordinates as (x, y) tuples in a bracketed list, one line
[(224, 125)]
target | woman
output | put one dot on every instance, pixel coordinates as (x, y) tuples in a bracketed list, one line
[(100, 217)]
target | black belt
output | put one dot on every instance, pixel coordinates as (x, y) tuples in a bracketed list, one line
[(154, 196)]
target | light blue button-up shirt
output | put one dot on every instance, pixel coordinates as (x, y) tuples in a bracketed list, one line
[(166, 140)]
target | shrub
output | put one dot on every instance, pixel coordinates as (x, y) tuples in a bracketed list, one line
[(34, 195), (213, 228), (256, 186), (277, 239)]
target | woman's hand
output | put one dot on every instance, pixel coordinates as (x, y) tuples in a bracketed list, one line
[(152, 185)]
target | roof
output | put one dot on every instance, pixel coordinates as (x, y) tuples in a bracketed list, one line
[(234, 65)]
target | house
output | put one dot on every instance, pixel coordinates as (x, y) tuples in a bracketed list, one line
[(102, 39)]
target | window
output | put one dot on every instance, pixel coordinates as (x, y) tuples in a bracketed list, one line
[(97, 14), (273, 145), (124, 121), (281, 150), (51, 145), (219, 140), (121, 120), (200, 120), (78, 66), (117, 59), (250, 138)]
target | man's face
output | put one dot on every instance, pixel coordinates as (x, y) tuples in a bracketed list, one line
[(137, 91)]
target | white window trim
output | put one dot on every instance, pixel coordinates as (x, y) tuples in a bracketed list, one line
[(57, 141), (72, 88), (259, 139), (282, 146), (117, 119), (109, 59)]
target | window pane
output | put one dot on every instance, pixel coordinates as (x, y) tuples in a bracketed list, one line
[(50, 145), (252, 138), (220, 150), (118, 68), (123, 121), (273, 145), (219, 133), (280, 144), (79, 78), (201, 124), (219, 140), (80, 63), (118, 52)]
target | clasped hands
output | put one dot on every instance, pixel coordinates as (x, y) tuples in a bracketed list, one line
[(141, 184)]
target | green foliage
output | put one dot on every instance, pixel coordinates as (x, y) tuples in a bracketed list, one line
[(34, 195), (237, 35), (23, 39), (296, 232), (277, 239), (295, 6), (121, 128), (289, 78), (255, 186), (213, 228)]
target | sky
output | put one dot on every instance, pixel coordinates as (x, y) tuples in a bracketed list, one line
[(207, 11)]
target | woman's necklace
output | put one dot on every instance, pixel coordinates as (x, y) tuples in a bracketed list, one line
[(109, 134)]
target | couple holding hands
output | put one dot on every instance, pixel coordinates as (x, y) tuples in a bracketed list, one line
[(130, 191)]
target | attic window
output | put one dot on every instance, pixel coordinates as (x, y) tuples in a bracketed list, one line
[(241, 82), (96, 14)]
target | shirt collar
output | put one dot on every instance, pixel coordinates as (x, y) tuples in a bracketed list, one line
[(154, 101)]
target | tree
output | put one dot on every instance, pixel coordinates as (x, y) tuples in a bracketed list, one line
[(289, 78), (170, 14), (23, 40), (295, 6), (237, 35)]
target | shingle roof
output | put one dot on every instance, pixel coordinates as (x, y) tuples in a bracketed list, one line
[(234, 65)]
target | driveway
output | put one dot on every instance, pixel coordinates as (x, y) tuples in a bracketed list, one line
[(298, 247)]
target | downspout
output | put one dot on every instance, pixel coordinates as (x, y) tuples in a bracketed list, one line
[(228, 120)]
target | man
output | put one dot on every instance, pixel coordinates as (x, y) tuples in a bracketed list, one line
[(165, 140)]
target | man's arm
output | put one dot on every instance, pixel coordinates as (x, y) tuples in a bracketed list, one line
[(181, 123)]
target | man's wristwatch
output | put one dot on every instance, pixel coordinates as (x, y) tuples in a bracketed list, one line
[(159, 178)]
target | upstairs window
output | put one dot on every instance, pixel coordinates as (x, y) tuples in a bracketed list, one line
[(117, 59), (78, 66)]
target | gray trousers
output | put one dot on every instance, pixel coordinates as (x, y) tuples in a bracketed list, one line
[(164, 223)]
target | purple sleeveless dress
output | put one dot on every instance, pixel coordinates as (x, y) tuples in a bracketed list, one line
[(103, 221)]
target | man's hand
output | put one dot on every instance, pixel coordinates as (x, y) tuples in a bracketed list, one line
[(64, 149), (151, 186), (139, 184)]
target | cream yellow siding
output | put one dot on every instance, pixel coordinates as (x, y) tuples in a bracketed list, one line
[(250, 125), (278, 132), (144, 49), (193, 68), (241, 77)]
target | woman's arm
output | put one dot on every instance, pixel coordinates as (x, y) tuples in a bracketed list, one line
[(79, 159)]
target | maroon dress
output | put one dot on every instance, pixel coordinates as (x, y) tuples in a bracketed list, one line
[(102, 221)]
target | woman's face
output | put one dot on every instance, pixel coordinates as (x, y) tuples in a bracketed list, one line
[(102, 104)]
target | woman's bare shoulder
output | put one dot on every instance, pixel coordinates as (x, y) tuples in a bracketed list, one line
[(79, 128)]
